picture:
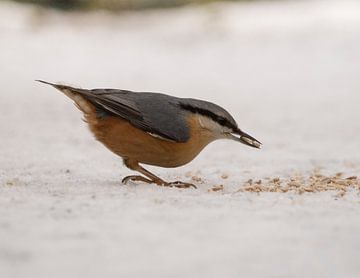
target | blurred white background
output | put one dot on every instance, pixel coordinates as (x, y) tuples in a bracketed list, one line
[(287, 70)]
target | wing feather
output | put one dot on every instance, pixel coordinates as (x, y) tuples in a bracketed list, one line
[(158, 114), (155, 113)]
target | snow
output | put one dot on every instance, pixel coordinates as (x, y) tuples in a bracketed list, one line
[(287, 71)]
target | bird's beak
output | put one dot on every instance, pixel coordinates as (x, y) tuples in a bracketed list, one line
[(246, 139)]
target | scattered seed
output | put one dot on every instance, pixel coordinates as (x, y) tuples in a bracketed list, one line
[(196, 178), (316, 182), (216, 188)]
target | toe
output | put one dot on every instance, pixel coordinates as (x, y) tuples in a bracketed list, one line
[(180, 184), (125, 180)]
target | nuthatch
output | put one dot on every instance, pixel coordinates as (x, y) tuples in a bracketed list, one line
[(154, 128)]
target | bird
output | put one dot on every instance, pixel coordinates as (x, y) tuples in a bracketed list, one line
[(153, 128)]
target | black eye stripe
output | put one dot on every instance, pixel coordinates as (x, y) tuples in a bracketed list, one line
[(221, 120)]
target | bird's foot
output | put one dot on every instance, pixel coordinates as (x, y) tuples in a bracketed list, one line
[(179, 184), (159, 182), (135, 178)]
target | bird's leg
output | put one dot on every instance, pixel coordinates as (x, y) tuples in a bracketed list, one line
[(134, 165), (161, 182)]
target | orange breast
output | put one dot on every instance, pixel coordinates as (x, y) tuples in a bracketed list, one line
[(127, 141)]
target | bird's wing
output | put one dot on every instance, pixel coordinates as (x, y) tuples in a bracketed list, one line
[(158, 114)]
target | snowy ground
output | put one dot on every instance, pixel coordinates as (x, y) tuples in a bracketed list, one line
[(287, 71)]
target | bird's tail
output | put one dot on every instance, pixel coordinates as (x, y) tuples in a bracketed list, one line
[(77, 95), (56, 86)]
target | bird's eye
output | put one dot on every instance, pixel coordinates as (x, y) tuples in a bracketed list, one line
[(221, 121)]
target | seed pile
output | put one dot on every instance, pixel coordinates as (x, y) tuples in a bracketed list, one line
[(299, 184)]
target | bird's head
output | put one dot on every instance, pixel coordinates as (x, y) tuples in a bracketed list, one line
[(219, 122)]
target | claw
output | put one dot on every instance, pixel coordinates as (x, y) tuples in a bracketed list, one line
[(135, 178), (180, 184)]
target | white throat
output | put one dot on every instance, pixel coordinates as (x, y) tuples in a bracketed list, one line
[(214, 127)]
